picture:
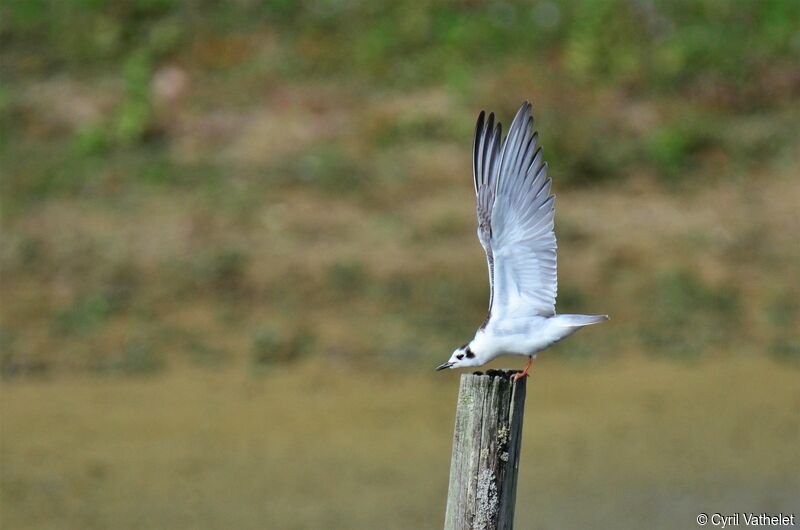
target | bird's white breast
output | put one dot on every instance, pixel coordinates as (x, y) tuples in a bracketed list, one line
[(518, 336)]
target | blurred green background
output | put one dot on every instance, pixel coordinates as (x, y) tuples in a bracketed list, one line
[(237, 237)]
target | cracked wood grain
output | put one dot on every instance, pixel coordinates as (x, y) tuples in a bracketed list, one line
[(486, 447)]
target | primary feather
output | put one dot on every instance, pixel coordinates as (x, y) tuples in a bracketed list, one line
[(515, 218)]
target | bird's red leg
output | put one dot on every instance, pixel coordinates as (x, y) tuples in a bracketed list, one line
[(524, 373)]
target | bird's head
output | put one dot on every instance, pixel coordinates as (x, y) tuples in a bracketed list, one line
[(462, 357)]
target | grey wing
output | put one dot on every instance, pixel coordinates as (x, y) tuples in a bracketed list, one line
[(521, 235), (485, 164)]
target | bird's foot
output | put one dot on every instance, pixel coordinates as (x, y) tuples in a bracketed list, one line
[(521, 375)]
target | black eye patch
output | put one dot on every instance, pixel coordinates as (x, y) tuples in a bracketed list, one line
[(470, 354), (460, 356)]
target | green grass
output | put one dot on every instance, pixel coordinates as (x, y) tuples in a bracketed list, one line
[(299, 189)]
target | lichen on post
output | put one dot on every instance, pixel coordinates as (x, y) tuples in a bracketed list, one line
[(486, 446)]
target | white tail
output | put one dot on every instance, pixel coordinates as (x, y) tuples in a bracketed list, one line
[(580, 320)]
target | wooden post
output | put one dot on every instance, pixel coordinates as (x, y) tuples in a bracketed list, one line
[(486, 447)]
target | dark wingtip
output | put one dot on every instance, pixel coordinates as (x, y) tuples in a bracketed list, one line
[(526, 108)]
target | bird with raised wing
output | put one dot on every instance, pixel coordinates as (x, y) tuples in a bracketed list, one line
[(515, 227)]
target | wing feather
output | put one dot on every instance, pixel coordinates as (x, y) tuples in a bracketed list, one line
[(485, 164), (515, 217)]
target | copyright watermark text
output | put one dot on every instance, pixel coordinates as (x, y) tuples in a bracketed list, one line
[(721, 520)]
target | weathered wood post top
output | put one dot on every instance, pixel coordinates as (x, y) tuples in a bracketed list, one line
[(486, 446)]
